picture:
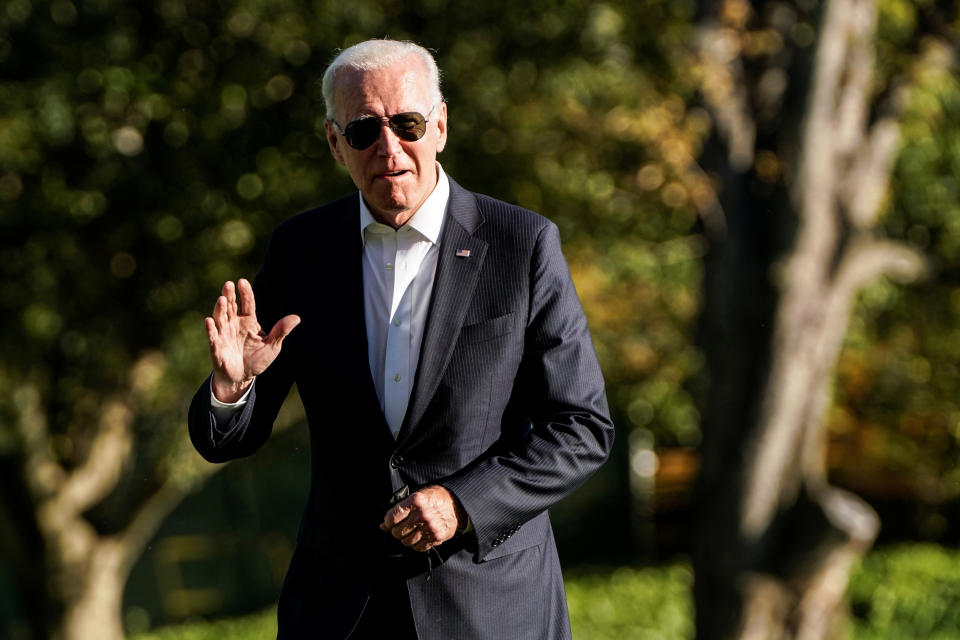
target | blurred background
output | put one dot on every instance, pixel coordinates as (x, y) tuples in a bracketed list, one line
[(714, 169)]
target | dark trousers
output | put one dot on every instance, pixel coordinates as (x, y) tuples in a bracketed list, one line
[(387, 614)]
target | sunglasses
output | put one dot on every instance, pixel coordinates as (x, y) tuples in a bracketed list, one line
[(363, 132)]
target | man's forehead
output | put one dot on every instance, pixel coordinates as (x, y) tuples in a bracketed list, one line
[(404, 84)]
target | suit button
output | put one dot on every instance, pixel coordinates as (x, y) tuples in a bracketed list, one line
[(396, 461)]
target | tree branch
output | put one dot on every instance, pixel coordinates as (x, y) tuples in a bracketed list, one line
[(867, 181), (853, 106), (725, 91), (44, 476), (818, 163), (100, 472), (815, 191)]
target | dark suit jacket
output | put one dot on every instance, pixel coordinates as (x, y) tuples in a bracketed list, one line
[(507, 411)]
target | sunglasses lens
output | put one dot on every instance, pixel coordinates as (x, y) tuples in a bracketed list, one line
[(363, 132), (408, 126)]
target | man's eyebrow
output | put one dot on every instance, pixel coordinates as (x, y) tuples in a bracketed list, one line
[(367, 114), (364, 114)]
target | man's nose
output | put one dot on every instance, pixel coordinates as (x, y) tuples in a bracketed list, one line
[(388, 143)]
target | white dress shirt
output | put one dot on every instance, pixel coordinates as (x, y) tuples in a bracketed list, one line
[(399, 267)]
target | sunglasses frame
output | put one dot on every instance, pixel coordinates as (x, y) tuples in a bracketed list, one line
[(403, 134)]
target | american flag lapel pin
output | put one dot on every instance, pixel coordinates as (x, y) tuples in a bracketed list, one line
[(463, 253)]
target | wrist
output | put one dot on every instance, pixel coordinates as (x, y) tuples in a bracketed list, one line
[(463, 520), (228, 391)]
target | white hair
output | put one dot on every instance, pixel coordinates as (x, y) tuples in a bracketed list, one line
[(375, 54)]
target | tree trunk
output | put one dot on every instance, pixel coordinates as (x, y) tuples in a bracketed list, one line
[(801, 174), (78, 594), (95, 613)]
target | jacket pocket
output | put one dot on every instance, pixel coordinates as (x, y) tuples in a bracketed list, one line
[(487, 329)]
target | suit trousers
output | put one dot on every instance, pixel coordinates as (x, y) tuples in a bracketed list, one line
[(387, 614)]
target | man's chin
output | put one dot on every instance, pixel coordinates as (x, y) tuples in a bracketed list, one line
[(390, 212)]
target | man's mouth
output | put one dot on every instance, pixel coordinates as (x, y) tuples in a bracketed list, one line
[(393, 174)]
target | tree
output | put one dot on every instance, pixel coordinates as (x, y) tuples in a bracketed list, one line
[(805, 141)]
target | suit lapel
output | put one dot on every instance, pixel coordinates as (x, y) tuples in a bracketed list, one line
[(354, 349), (458, 269)]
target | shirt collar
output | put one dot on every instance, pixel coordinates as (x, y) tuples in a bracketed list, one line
[(426, 220)]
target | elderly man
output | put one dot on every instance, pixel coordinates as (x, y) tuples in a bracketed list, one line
[(447, 373)]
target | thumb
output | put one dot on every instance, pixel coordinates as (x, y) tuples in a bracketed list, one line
[(282, 329), (397, 514)]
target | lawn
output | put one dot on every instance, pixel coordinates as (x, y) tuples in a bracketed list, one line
[(908, 592)]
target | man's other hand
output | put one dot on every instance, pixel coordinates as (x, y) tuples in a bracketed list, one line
[(426, 519), (239, 349)]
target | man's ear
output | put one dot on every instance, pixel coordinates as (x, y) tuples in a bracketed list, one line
[(442, 126), (334, 141)]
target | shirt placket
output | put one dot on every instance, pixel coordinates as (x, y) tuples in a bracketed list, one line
[(397, 374)]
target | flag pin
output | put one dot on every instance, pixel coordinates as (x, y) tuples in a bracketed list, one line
[(463, 253)]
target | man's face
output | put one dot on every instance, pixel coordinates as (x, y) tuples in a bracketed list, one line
[(395, 176)]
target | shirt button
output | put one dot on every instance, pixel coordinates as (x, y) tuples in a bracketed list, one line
[(396, 378), (396, 322), (388, 266)]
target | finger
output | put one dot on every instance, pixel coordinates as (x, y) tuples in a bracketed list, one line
[(248, 305), (212, 333), (220, 313), (423, 545), (282, 329), (414, 537), (404, 529), (230, 293)]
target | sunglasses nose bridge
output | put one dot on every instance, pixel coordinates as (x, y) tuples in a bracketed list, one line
[(387, 139)]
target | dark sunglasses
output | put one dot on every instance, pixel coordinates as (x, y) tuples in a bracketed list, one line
[(363, 132)]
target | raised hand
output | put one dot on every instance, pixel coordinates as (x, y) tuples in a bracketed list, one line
[(239, 349)]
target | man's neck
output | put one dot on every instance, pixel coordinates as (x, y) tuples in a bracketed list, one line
[(395, 220)]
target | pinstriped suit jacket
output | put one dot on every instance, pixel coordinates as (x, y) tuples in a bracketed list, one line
[(507, 411)]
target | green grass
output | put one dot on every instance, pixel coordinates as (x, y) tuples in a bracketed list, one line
[(631, 603), (258, 626), (907, 593), (624, 603)]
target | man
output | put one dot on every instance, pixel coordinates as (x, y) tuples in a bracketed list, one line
[(446, 370)]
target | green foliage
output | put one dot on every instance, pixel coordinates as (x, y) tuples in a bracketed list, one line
[(907, 592)]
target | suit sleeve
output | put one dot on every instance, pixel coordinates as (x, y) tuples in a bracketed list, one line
[(559, 389), (249, 428)]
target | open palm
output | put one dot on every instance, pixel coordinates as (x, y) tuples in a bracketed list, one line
[(239, 348)]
